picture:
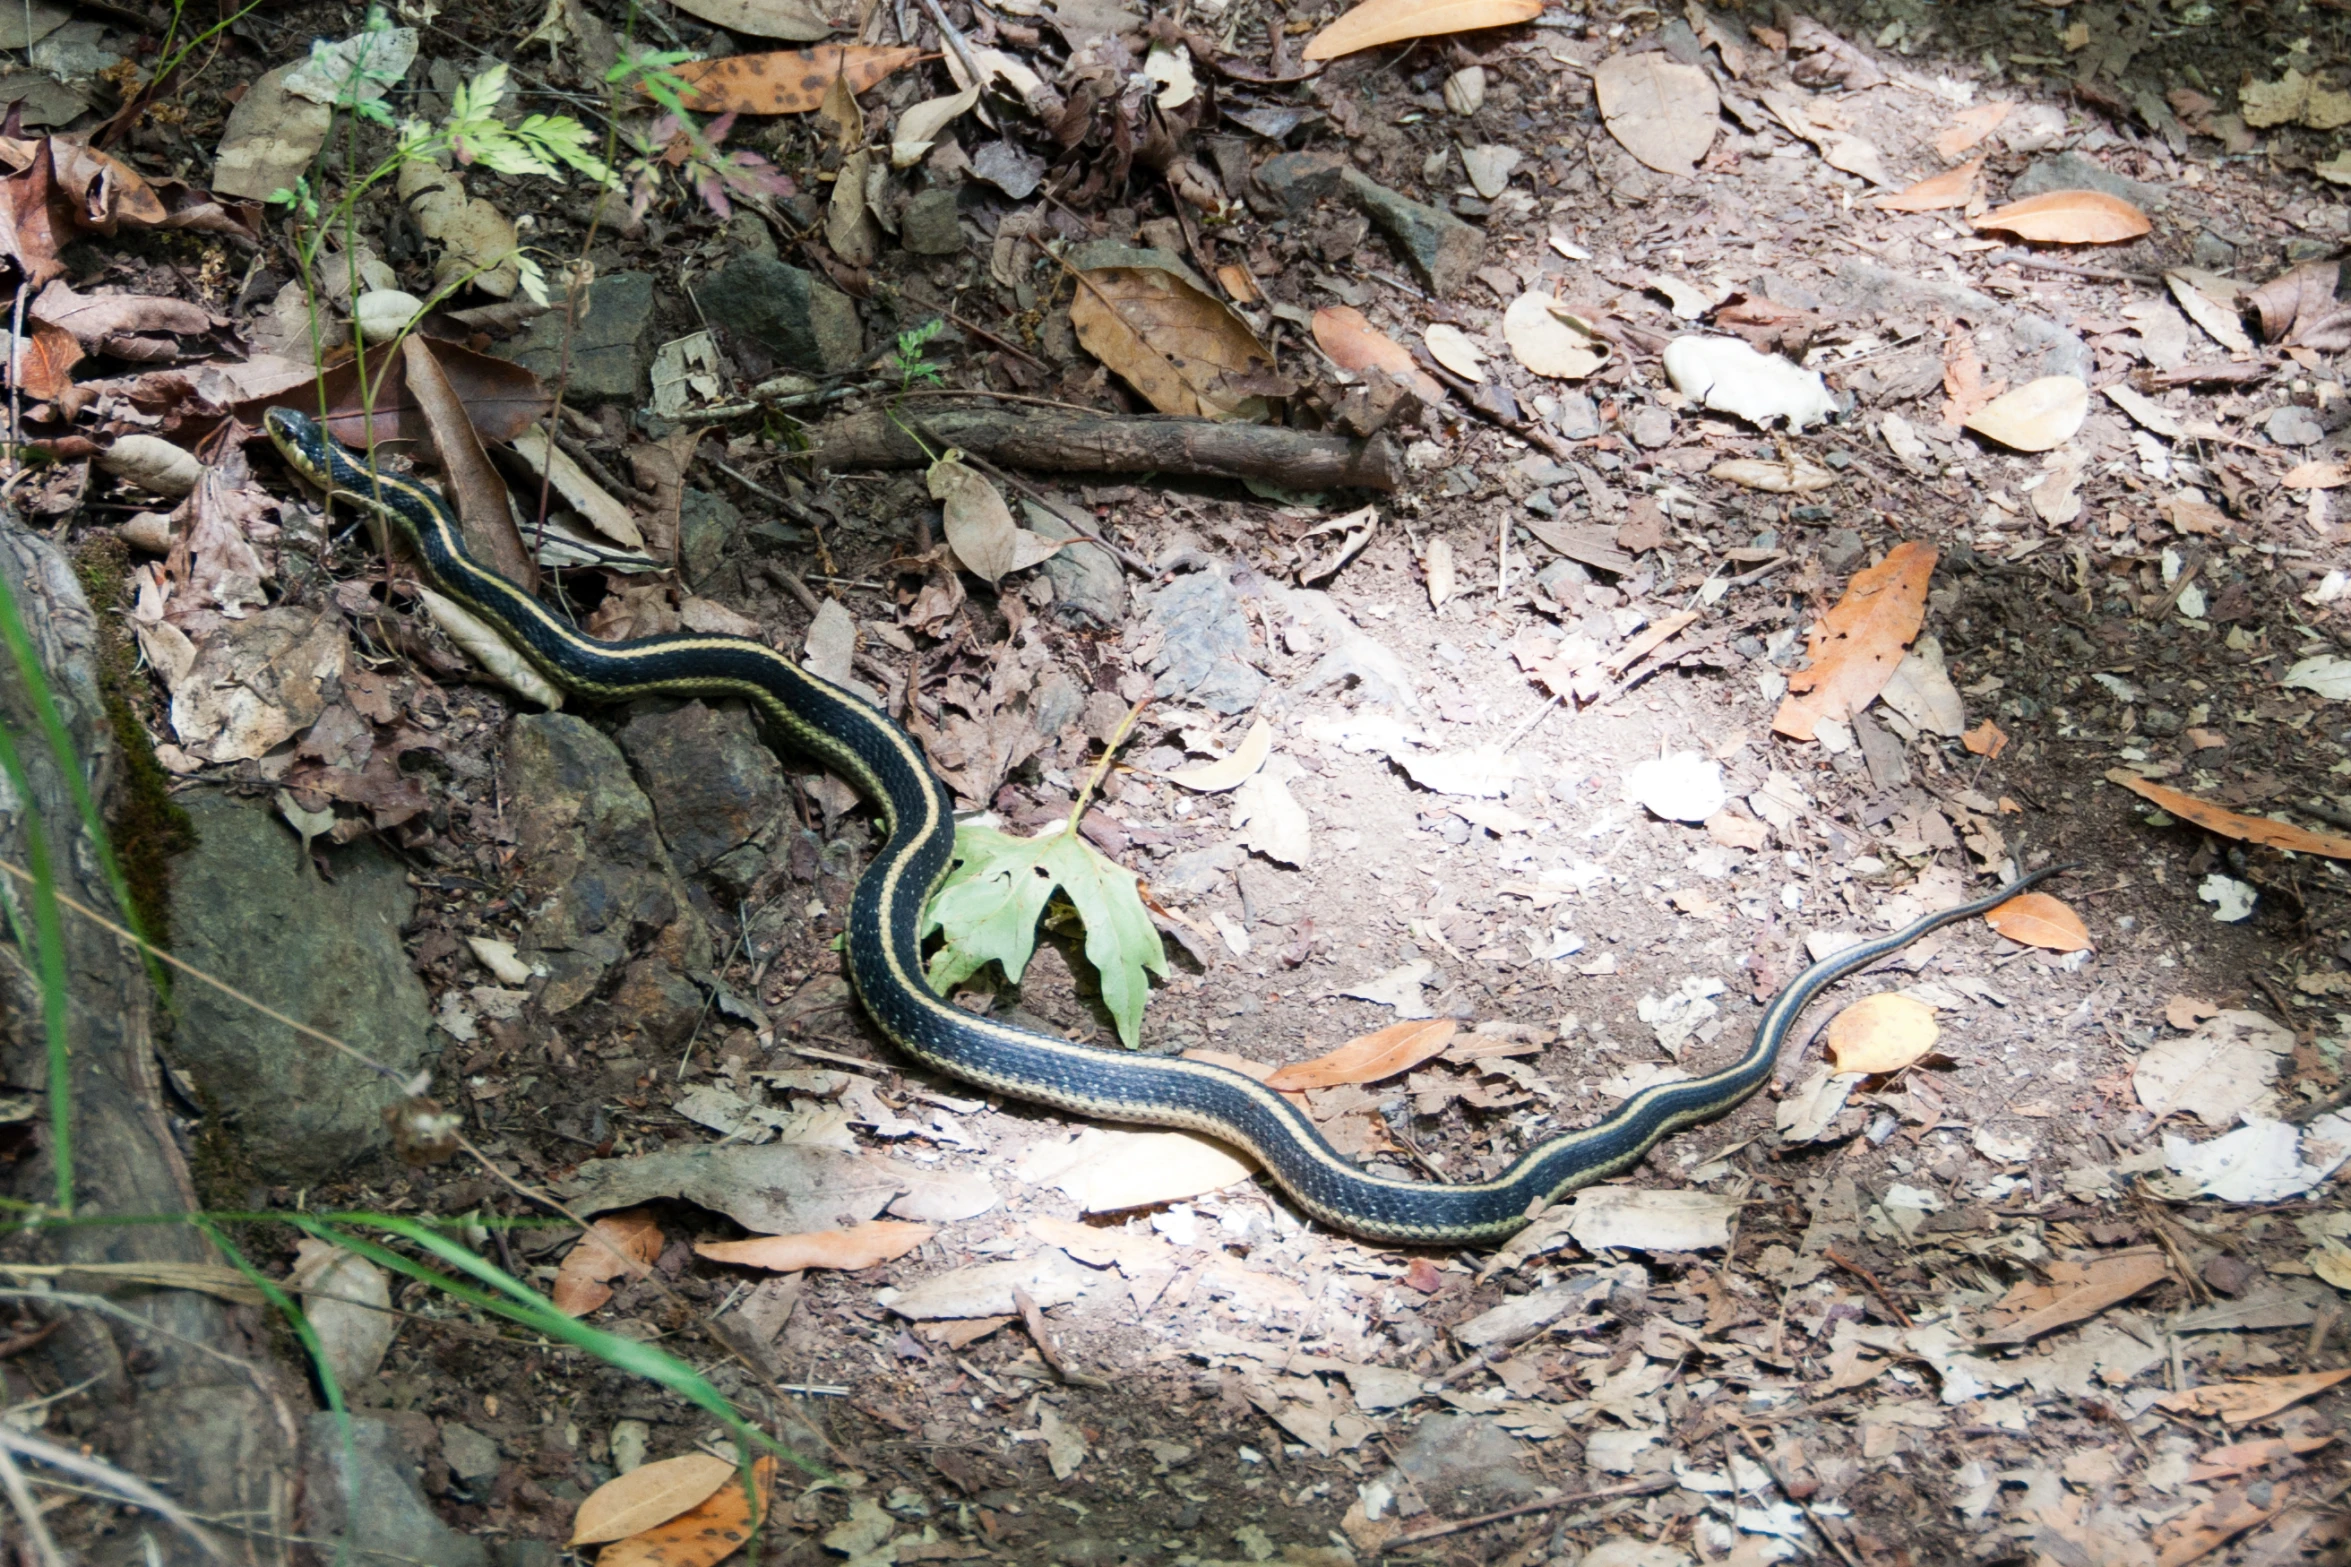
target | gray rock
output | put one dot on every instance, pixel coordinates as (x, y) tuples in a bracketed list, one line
[(591, 865), (1442, 249), (248, 907), (1651, 428), (1840, 549), (2294, 425), (609, 350), (1205, 654), (929, 226), (2077, 171), (470, 1455), (1089, 587), (1579, 420), (1011, 170), (524, 1553), (1058, 702), (713, 785), (1462, 1464), (368, 1498), (1300, 179), (1197, 872), (707, 525), (805, 324)]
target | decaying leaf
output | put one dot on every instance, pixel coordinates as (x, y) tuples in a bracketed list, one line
[(1550, 340), (617, 1245), (2039, 920), (2068, 217), (1856, 646), (1229, 771), (1661, 111), (866, 1245), (349, 1303), (2076, 1290), (701, 1536), (1377, 22), (1183, 349), (2232, 824), (2251, 1398), (990, 902), (2037, 416), (1881, 1034), (492, 651), (1370, 1057), (648, 1496), (1951, 188), (787, 81), (979, 526), (1355, 344)]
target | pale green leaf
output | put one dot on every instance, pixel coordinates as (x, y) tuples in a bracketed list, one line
[(990, 902)]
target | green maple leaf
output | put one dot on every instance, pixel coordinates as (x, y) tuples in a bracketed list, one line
[(989, 904)]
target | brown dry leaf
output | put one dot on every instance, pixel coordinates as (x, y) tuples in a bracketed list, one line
[(2316, 476), (2250, 1398), (1662, 112), (2300, 309), (44, 366), (1985, 739), (1353, 343), (1377, 22), (979, 525), (648, 1496), (468, 480), (2068, 217), (2229, 824), (2206, 1527), (130, 326), (2078, 1290), (860, 1246), (2211, 303), (583, 1282), (1951, 188), (1228, 772), (701, 1537), (2237, 1458), (794, 21), (1882, 1033), (1185, 351), (1857, 644), (1549, 339), (1970, 126), (2038, 920), (501, 398), (2037, 416), (786, 81), (1369, 1057), (2186, 1012)]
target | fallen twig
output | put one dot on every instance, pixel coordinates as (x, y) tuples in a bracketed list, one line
[(1546, 1504)]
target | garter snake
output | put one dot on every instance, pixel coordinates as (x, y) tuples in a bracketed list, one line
[(884, 942)]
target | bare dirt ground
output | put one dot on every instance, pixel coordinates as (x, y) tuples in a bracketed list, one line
[(1949, 1319)]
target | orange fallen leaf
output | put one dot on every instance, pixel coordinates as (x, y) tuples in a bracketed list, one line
[(2316, 476), (785, 81), (2038, 920), (648, 1496), (2186, 1012), (1985, 739), (2224, 1463), (1951, 188), (1857, 644), (2037, 416), (2068, 217), (617, 1244), (1396, 1048), (2206, 1527), (2230, 824), (2250, 1398), (1970, 126), (2078, 1290), (859, 1246), (706, 1535), (1378, 22), (1353, 343), (1882, 1033)]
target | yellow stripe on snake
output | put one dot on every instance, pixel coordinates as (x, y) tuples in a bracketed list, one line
[(862, 744)]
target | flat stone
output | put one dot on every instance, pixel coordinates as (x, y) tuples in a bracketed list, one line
[(388, 1518), (805, 324), (1840, 548), (589, 858), (713, 784), (1089, 586), (609, 347), (929, 226), (469, 1454), (2078, 171), (1463, 1464), (1441, 248), (707, 526), (249, 908), (1205, 652), (1300, 179)]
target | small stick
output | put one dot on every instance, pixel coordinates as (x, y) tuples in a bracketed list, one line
[(1870, 1279), (790, 582), (1844, 1551), (1042, 1336), (1547, 1504)]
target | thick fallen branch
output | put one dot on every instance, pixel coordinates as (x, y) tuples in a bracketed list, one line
[(1056, 441)]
